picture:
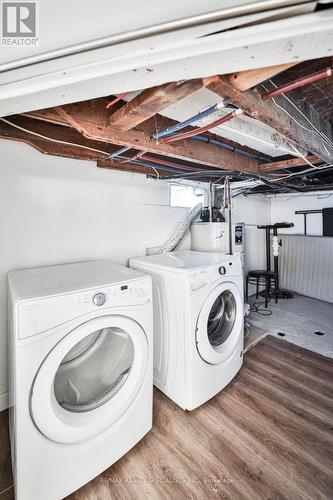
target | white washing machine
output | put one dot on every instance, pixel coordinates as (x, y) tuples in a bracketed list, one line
[(198, 322), (81, 373)]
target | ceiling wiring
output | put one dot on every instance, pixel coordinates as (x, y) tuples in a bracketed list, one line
[(313, 131), (206, 173), (304, 172), (58, 141), (324, 136)]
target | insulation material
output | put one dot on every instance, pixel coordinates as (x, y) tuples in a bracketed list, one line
[(306, 265)]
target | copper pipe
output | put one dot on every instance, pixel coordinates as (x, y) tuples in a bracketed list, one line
[(197, 131), (111, 103), (300, 82), (138, 155)]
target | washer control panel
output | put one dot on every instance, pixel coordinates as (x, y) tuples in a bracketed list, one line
[(202, 277)]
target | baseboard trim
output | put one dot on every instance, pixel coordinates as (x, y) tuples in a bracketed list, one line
[(4, 401)]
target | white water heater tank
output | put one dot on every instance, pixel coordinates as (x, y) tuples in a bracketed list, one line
[(214, 237)]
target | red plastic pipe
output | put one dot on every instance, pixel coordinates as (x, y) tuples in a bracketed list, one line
[(119, 98), (300, 82), (197, 131)]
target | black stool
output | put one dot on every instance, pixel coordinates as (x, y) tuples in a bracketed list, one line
[(262, 277)]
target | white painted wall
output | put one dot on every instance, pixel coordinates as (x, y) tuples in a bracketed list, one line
[(283, 209), (57, 210)]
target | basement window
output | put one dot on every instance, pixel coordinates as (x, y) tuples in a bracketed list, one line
[(185, 196)]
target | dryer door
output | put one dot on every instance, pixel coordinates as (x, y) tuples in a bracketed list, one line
[(89, 379), (220, 323)]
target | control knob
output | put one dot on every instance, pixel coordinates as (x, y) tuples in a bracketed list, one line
[(99, 299)]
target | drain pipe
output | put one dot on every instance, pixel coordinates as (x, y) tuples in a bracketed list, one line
[(210, 200), (227, 203)]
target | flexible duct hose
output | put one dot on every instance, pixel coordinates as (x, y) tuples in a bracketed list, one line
[(181, 229)]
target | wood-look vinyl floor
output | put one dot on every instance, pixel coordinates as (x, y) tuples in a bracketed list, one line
[(267, 435)]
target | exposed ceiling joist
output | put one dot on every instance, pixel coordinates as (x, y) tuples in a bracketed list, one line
[(244, 80), (61, 147), (150, 102), (294, 162), (90, 119), (47, 115), (148, 127), (267, 112)]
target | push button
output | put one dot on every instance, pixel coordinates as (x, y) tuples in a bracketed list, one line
[(99, 299), (222, 270)]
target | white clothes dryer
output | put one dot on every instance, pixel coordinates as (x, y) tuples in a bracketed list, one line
[(198, 322), (81, 373)]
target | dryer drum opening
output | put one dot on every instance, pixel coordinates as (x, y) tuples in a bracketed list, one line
[(221, 318), (94, 370)]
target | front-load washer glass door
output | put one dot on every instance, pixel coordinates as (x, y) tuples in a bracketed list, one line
[(94, 370), (220, 323), (90, 378), (221, 318)]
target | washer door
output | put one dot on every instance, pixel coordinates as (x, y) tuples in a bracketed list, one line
[(89, 379), (219, 324)]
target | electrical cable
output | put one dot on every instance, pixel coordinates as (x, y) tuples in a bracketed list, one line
[(315, 131), (51, 139), (308, 170), (256, 307), (117, 155), (305, 117), (81, 146)]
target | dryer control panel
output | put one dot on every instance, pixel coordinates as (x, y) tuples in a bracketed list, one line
[(202, 277), (37, 316), (117, 295)]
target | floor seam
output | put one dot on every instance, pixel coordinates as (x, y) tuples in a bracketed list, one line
[(4, 491)]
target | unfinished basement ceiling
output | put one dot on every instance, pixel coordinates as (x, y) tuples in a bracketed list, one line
[(318, 95), (242, 129), (148, 42), (276, 144)]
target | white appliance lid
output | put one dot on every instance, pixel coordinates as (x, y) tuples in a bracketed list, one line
[(184, 260), (51, 280)]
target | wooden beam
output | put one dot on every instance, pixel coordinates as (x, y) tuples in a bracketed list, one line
[(267, 112), (294, 162), (244, 80), (47, 147), (90, 119), (150, 102), (46, 115), (148, 127)]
